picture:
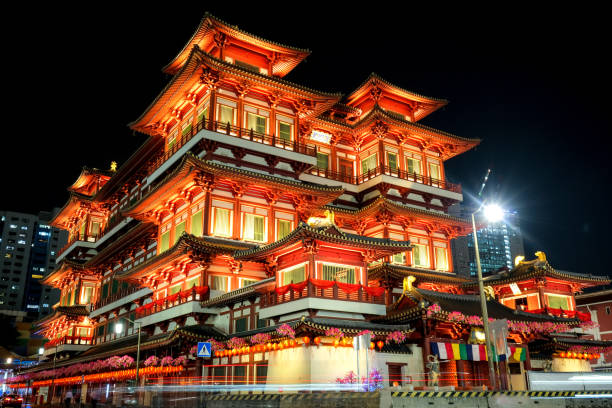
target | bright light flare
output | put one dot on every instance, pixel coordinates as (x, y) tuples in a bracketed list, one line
[(118, 328), (493, 212)]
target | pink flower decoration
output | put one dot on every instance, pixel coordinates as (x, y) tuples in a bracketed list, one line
[(286, 331), (260, 338), (334, 332), (236, 342)]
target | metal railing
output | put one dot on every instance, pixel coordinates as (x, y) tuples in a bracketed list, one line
[(386, 170), (231, 130)]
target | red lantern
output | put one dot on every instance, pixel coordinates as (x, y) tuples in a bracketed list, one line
[(306, 340), (380, 344), (292, 343), (336, 342), (286, 343), (248, 349), (317, 340), (562, 354), (371, 345)]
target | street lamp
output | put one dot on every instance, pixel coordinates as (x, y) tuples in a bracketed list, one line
[(493, 213), (119, 330)]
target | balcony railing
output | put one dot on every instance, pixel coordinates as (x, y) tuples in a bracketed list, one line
[(195, 294), (114, 297), (377, 171), (75, 340), (230, 130), (571, 314), (330, 290)]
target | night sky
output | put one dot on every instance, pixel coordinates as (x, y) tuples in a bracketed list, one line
[(533, 86)]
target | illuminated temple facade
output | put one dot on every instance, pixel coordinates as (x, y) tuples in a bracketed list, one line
[(258, 204)]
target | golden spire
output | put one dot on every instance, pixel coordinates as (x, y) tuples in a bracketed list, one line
[(113, 166)]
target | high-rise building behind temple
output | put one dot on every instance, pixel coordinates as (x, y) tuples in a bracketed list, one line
[(28, 249), (499, 243)]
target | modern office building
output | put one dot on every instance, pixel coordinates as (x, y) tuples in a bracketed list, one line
[(498, 243), (28, 250)]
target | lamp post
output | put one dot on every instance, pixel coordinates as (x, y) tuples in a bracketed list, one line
[(119, 329), (492, 213)]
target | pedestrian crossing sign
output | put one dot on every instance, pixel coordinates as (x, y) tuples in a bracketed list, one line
[(204, 349)]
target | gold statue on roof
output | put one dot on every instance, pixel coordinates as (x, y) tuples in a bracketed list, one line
[(326, 221), (407, 284), (113, 166)]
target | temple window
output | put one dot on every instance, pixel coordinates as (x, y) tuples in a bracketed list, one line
[(86, 294), (191, 282), (94, 229), (340, 273), (226, 114), (254, 228), (526, 302), (187, 126), (399, 258), (294, 275), (322, 160), (413, 166), (420, 256), (175, 289), (392, 161), (283, 228), (196, 223), (441, 259), (222, 222), (241, 324), (179, 228), (434, 171), (284, 131), (558, 302), (240, 374), (369, 163), (256, 123), (219, 283), (246, 282), (171, 141), (202, 113)]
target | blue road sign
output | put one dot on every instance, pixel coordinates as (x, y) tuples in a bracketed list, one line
[(204, 349)]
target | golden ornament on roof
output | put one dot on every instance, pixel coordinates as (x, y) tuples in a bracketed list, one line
[(326, 221), (113, 166)]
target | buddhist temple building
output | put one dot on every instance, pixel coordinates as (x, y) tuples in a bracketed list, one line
[(285, 226)]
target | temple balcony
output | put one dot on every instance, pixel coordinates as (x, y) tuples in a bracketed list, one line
[(333, 298), (233, 137), (123, 297), (67, 343), (90, 241), (179, 304), (384, 174)]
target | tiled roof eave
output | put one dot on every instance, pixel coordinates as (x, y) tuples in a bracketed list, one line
[(306, 231)]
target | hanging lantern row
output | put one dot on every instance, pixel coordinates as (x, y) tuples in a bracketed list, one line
[(581, 356), (290, 343)]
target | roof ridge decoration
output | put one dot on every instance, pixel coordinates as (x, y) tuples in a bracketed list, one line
[(539, 267), (213, 29)]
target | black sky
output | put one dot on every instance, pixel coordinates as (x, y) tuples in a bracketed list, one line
[(533, 85)]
